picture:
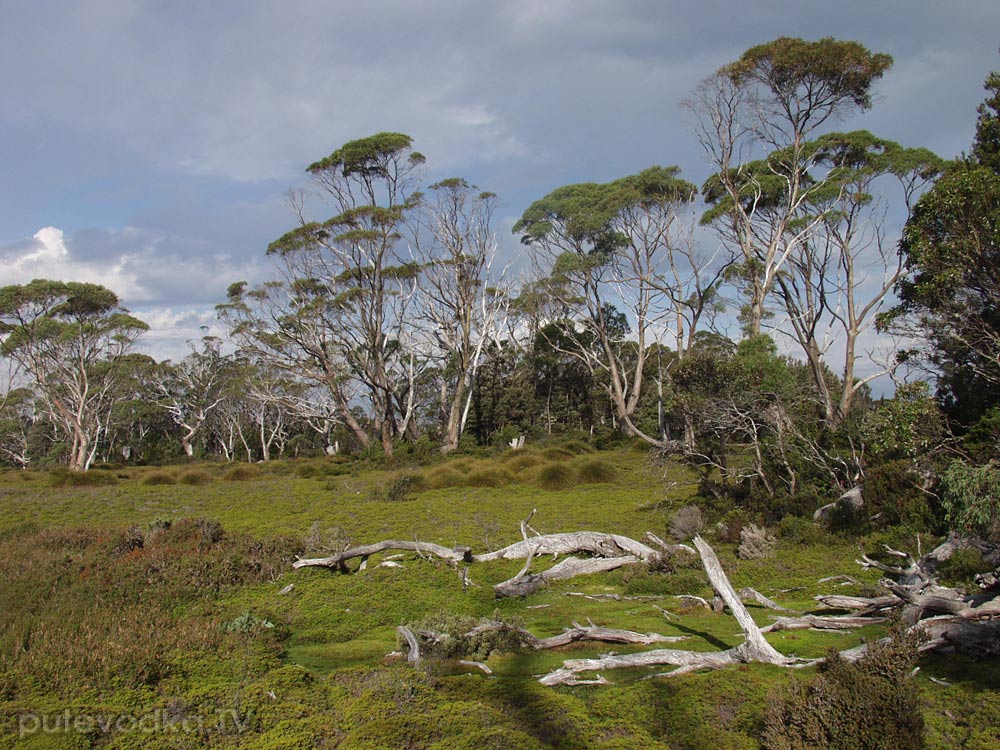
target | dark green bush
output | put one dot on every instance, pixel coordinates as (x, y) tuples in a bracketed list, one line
[(962, 566), (871, 704)]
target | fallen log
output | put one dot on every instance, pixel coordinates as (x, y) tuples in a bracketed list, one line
[(338, 561), (820, 622), (596, 543), (525, 583), (861, 605)]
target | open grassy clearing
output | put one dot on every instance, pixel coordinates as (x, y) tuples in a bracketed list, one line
[(192, 622)]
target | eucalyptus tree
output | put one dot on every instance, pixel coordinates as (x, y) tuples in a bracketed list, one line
[(836, 281), (71, 338), (754, 118), (338, 313), (17, 416), (460, 303), (191, 389), (602, 248)]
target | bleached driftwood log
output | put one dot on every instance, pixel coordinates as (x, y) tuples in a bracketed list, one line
[(525, 583), (596, 543), (460, 554)]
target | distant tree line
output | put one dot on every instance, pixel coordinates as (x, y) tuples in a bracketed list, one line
[(391, 323)]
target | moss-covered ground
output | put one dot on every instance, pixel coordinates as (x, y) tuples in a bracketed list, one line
[(120, 630)]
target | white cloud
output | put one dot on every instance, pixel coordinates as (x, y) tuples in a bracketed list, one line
[(48, 257)]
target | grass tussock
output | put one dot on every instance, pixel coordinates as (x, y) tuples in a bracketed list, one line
[(241, 473), (489, 476), (519, 460), (159, 477), (111, 617), (194, 477), (555, 476), (62, 477), (593, 470)]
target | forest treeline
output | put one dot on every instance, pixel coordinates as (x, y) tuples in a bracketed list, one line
[(652, 312)]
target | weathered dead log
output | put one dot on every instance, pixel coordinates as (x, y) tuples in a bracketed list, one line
[(460, 554), (749, 594), (686, 661), (820, 622), (413, 654), (594, 542), (525, 583), (861, 605), (590, 632)]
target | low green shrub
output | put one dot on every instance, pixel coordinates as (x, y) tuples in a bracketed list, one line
[(869, 704), (962, 566)]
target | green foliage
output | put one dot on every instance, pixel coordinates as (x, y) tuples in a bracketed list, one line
[(962, 567), (894, 496), (871, 704), (971, 497), (951, 244), (828, 70), (906, 426)]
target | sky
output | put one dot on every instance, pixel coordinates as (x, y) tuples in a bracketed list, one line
[(148, 145)]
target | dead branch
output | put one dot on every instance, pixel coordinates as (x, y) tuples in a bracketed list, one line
[(338, 561), (413, 654), (819, 622), (749, 594), (594, 542), (525, 583)]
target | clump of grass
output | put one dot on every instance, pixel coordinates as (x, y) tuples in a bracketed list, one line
[(489, 476), (594, 470), (159, 477), (194, 477), (63, 477), (555, 476), (557, 454), (576, 446), (445, 477), (241, 473), (519, 460)]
